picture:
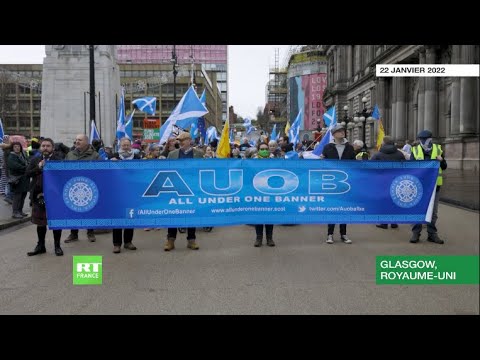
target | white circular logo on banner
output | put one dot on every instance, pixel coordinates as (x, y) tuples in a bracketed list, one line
[(406, 191), (80, 194)]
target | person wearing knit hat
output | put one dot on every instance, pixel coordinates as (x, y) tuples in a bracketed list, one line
[(427, 150)]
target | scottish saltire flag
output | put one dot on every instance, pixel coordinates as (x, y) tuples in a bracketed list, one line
[(331, 117), (146, 104), (188, 107), (253, 142), (310, 155), (94, 134), (291, 155), (232, 136), (102, 153), (212, 134), (2, 133), (273, 135), (121, 116), (294, 132), (129, 126), (187, 123), (247, 123), (194, 129), (203, 98)]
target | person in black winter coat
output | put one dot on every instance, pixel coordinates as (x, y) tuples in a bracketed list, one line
[(388, 152), (339, 148), (126, 235), (37, 199)]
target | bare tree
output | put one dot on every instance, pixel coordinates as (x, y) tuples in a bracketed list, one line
[(262, 119)]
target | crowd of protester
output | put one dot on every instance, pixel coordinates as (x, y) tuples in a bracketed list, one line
[(21, 173)]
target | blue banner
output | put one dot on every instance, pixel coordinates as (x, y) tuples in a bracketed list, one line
[(214, 192)]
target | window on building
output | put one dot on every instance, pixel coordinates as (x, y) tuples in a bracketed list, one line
[(36, 123), (11, 123)]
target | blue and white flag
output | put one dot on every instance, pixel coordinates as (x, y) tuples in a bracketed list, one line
[(250, 129), (146, 104), (212, 134), (247, 123), (188, 107), (294, 132), (331, 117), (121, 116), (94, 134), (129, 126), (274, 135), (2, 133), (187, 123), (291, 155), (203, 98), (194, 130)]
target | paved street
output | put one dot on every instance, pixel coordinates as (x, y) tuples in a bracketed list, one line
[(301, 275)]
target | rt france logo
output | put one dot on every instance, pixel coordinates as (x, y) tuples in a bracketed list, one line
[(87, 270)]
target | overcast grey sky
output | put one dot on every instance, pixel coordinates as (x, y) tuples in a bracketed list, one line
[(248, 70)]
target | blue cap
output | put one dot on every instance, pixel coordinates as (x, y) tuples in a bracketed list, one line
[(424, 134)]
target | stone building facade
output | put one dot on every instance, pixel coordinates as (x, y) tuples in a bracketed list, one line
[(447, 106)]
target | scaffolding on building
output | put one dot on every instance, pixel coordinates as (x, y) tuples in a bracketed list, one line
[(276, 108)]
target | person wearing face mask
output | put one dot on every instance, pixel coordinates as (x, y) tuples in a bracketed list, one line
[(427, 150), (263, 153), (39, 212)]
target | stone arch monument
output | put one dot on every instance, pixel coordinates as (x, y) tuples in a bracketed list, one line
[(65, 86)]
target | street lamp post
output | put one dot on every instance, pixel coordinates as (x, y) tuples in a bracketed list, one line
[(364, 116), (360, 117), (175, 72)]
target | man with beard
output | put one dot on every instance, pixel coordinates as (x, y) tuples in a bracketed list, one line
[(39, 212)]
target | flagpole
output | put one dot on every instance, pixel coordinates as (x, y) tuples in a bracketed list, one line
[(99, 115), (92, 83)]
